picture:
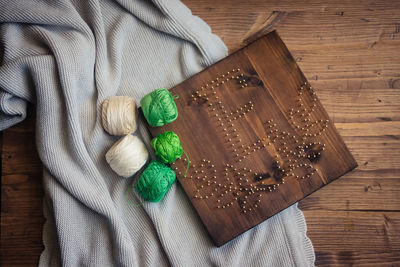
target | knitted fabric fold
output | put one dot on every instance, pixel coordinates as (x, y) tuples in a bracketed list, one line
[(67, 57)]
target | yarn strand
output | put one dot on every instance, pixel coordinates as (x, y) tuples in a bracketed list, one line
[(129, 201), (188, 165)]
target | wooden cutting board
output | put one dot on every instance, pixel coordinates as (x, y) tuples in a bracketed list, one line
[(257, 137)]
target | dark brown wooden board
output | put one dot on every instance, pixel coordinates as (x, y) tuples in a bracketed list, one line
[(257, 137)]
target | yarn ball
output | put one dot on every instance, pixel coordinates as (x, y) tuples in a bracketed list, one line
[(155, 181), (119, 115), (127, 156), (159, 107), (167, 147)]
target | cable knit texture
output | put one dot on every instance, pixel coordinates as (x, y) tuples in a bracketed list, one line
[(67, 57)]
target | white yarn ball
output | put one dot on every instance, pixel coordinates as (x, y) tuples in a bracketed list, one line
[(127, 156), (119, 115)]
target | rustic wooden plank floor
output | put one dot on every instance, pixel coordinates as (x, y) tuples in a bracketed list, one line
[(349, 50)]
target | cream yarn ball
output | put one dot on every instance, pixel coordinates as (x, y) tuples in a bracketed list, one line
[(127, 156), (119, 115)]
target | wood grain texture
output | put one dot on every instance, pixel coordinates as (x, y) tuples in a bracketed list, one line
[(21, 196), (256, 135), (349, 51)]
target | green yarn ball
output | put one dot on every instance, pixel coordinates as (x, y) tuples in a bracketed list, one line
[(155, 181), (167, 147), (159, 107)]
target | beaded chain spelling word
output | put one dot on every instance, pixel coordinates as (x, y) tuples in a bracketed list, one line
[(224, 119), (245, 186)]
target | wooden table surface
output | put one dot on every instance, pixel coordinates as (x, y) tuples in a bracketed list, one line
[(350, 52)]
